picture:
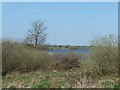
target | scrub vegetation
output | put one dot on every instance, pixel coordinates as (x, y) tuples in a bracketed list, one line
[(25, 66)]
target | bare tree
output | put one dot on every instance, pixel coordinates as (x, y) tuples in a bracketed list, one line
[(36, 34)]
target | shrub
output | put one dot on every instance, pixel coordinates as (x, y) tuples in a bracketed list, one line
[(68, 61), (15, 57), (105, 54)]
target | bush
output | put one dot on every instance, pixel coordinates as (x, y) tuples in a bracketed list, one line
[(105, 54), (67, 61), (15, 57)]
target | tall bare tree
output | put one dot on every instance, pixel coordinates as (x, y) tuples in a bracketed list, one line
[(36, 34)]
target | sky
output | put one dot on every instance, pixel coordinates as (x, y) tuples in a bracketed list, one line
[(67, 23)]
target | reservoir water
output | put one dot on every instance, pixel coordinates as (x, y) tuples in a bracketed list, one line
[(70, 51)]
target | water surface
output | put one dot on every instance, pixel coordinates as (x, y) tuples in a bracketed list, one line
[(68, 51)]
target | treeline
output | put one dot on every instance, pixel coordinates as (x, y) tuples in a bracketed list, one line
[(57, 47), (69, 47)]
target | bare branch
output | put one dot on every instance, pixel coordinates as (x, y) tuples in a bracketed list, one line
[(36, 34)]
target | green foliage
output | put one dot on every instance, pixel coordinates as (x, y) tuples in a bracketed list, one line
[(106, 84), (61, 83), (116, 87), (44, 83), (105, 54)]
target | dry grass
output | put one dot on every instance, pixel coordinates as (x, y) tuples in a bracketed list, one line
[(57, 79), (15, 57)]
